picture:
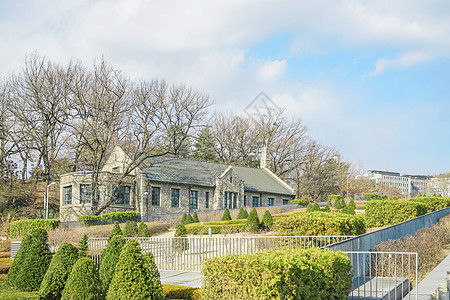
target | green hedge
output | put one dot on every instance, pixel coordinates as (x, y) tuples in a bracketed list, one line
[(114, 216), (389, 212), (433, 203), (23, 227), (278, 274), (320, 223), (216, 227), (302, 202)]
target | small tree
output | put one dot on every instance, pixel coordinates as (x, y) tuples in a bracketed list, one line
[(243, 214), (143, 230), (132, 277), (352, 204), (180, 244), (316, 207), (155, 277), (226, 215), (181, 230), (343, 204), (309, 208), (60, 267), (110, 257), (267, 220), (83, 282), (130, 229), (34, 263), (115, 231), (195, 218), (183, 219), (337, 204), (327, 208), (189, 219), (83, 245), (253, 223)]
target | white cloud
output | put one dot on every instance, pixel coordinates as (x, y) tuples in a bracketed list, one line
[(274, 69), (403, 61)]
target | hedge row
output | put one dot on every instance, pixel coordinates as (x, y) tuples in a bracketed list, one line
[(433, 203), (278, 274), (217, 227), (302, 202), (389, 212), (21, 228), (320, 223), (180, 292), (113, 215)]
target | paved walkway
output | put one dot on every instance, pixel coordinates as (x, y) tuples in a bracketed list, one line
[(186, 278), (431, 282)]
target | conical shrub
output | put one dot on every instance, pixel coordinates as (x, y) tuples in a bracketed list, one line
[(83, 245), (343, 203), (189, 219), (131, 278), (316, 207), (309, 208), (130, 229), (60, 267), (34, 263), (226, 215), (183, 219), (253, 223), (352, 204), (195, 218), (181, 230), (83, 282), (155, 277), (243, 214), (109, 259), (18, 260), (143, 230), (115, 231), (337, 204), (327, 208), (267, 220)]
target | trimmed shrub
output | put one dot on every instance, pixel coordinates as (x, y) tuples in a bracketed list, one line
[(278, 274), (154, 276), (83, 245), (226, 215), (253, 223), (267, 220), (301, 202), (33, 262), (120, 216), (115, 231), (59, 270), (389, 212), (433, 203), (110, 257), (143, 230), (327, 208), (18, 260), (343, 204), (337, 204), (83, 282), (179, 292), (334, 197), (189, 219), (195, 218), (181, 230), (372, 196), (23, 227), (183, 219), (130, 229), (320, 223), (316, 207), (131, 279), (352, 204), (309, 208), (243, 214), (217, 227)]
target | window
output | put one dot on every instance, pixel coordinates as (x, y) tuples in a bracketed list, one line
[(156, 192), (270, 201), (207, 199), (122, 195), (285, 201), (225, 197), (234, 200), (255, 201), (85, 193), (175, 197), (231, 179), (193, 201), (245, 200), (100, 188), (67, 191)]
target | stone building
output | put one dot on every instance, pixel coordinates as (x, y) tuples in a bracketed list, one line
[(167, 184)]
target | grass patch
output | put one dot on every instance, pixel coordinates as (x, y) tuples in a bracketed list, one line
[(6, 293)]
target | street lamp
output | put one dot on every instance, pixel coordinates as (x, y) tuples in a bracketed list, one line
[(46, 200)]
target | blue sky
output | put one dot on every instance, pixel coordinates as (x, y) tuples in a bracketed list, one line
[(370, 78)]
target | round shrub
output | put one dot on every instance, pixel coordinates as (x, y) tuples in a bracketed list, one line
[(143, 230), (130, 229), (60, 267), (195, 218), (189, 219), (253, 223), (226, 215), (309, 208), (115, 231), (110, 257), (267, 220), (83, 282), (36, 259), (243, 214), (131, 278)]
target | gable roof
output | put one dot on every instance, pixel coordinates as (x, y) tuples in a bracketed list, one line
[(187, 171)]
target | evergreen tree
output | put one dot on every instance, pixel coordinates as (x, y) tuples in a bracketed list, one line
[(155, 277), (309, 208), (132, 277), (143, 230), (327, 208), (110, 257), (183, 219), (130, 229), (243, 214), (337, 204), (83, 282), (204, 146), (352, 204), (195, 218), (316, 207), (253, 223), (60, 267), (343, 204), (226, 215), (83, 245), (189, 219), (115, 231), (267, 220), (181, 230)]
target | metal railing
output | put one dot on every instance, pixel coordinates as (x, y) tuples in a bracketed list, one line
[(189, 253), (383, 275)]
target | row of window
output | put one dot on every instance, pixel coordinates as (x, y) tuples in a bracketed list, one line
[(121, 196)]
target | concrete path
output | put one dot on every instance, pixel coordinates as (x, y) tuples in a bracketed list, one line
[(431, 282), (186, 278)]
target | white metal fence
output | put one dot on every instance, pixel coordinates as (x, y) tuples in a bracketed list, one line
[(383, 275), (189, 253)]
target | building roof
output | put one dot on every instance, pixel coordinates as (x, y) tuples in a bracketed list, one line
[(188, 171)]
